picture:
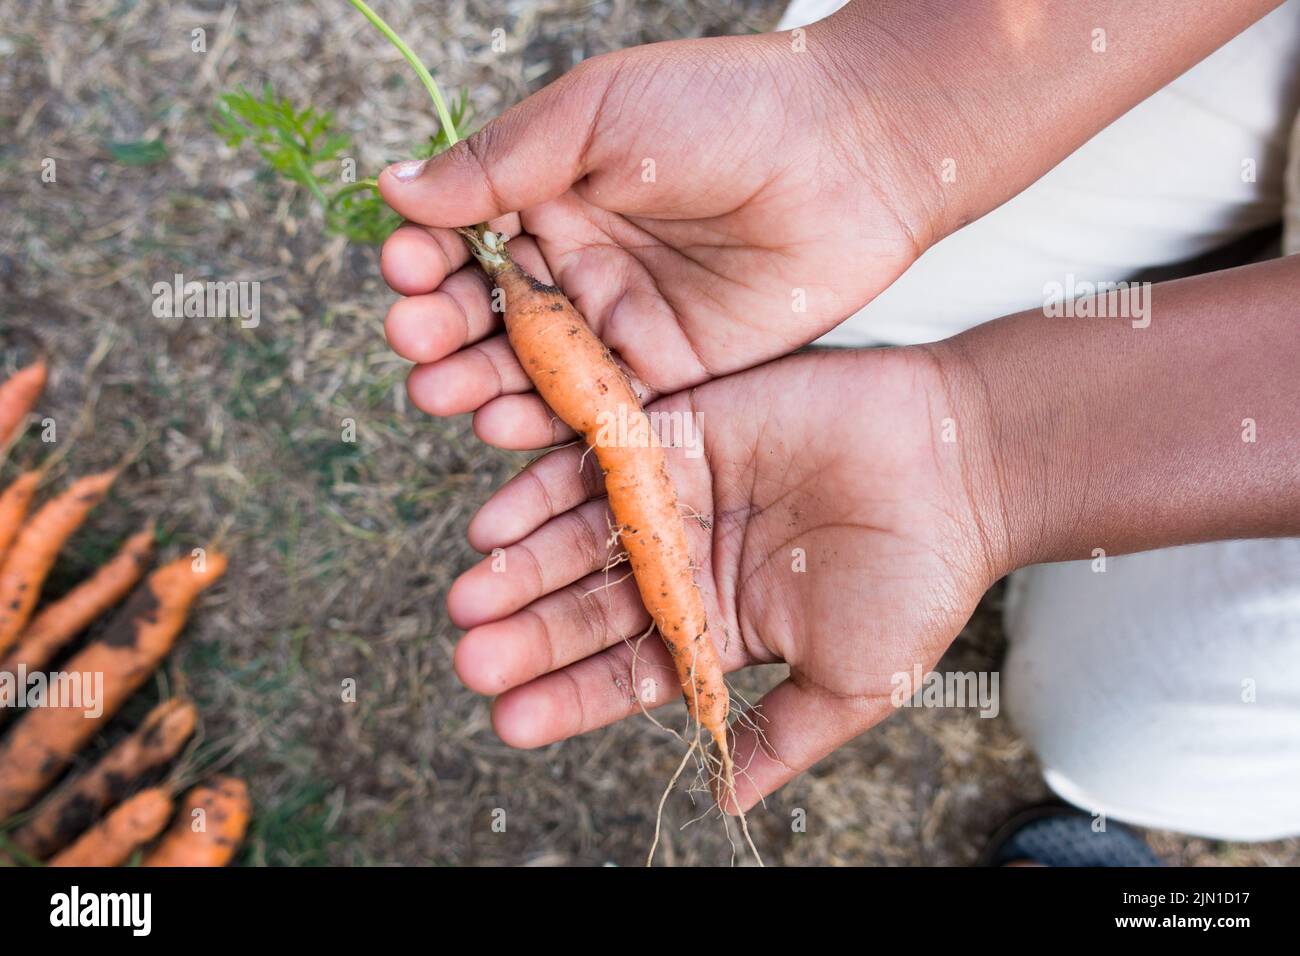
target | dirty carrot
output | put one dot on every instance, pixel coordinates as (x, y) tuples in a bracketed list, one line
[(209, 826), (140, 635), (130, 825), (18, 395), (577, 377), (579, 380), (76, 806), (36, 547), (55, 625), (13, 508)]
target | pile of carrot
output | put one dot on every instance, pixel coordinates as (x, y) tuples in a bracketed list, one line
[(114, 810)]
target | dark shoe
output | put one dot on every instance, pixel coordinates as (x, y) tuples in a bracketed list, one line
[(1057, 834)]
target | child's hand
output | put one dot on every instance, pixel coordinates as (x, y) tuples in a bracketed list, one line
[(858, 504), (834, 529), (707, 205)]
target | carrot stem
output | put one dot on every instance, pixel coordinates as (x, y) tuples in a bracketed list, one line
[(479, 238), (439, 104)]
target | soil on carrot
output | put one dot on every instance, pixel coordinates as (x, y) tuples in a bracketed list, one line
[(342, 551)]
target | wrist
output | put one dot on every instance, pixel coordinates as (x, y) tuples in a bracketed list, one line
[(1097, 435), (982, 98), (1014, 438), (931, 143), (857, 62)]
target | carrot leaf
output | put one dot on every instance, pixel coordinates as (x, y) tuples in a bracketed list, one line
[(304, 146)]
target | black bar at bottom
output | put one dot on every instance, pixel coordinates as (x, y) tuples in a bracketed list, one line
[(333, 906)]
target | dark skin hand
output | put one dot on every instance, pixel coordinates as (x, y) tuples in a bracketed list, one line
[(687, 277), (1065, 432), (882, 524), (910, 480)]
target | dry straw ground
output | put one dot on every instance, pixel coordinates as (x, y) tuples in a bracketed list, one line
[(343, 552)]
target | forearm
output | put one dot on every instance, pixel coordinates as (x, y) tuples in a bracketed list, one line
[(988, 95), (1093, 433)]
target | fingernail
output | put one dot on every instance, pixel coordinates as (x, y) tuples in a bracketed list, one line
[(404, 172)]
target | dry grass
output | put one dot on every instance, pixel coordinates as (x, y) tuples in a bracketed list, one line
[(343, 552)]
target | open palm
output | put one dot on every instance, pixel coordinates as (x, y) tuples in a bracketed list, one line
[(700, 223), (834, 532)]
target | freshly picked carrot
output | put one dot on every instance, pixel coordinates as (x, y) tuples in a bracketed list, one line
[(130, 825), (18, 395), (142, 633), (14, 503), (209, 837), (577, 377), (76, 806), (36, 547), (58, 623)]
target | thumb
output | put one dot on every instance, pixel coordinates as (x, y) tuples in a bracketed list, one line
[(532, 153)]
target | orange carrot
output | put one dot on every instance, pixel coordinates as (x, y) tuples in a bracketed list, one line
[(13, 508), (75, 807), (55, 625), (17, 396), (142, 633), (35, 548), (576, 376), (209, 827), (130, 826)]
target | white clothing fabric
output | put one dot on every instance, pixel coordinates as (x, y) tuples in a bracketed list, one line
[(1164, 691)]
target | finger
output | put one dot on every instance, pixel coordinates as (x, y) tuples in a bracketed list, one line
[(520, 423), (414, 259), (549, 486), (562, 551), (592, 693), (468, 379), (792, 727), (531, 153), (557, 630), (425, 328)]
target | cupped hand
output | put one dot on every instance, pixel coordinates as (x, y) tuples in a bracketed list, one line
[(833, 529), (707, 205)]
